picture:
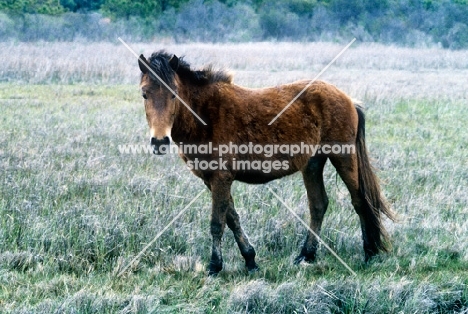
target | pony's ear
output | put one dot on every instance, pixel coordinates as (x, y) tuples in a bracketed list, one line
[(143, 64), (174, 63)]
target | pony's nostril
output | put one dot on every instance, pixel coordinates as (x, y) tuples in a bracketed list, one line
[(160, 147), (164, 141)]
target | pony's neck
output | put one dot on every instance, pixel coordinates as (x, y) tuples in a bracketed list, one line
[(187, 127)]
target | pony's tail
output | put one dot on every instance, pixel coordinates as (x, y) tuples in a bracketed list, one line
[(369, 187)]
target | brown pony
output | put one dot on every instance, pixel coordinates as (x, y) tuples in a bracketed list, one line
[(234, 115)]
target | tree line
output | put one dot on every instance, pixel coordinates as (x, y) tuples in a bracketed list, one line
[(406, 22)]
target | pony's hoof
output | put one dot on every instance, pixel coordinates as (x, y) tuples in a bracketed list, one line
[(369, 255), (251, 266), (214, 268), (302, 258), (253, 269), (299, 259), (212, 273)]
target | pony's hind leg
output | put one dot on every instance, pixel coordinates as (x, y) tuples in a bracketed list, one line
[(373, 232), (318, 203), (246, 249)]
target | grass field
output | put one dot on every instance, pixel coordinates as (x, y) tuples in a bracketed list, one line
[(74, 211)]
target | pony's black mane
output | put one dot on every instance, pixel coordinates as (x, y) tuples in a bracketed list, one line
[(159, 62)]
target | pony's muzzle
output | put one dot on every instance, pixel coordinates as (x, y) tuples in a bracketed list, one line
[(160, 147)]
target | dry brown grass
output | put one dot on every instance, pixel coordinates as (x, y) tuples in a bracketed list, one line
[(366, 70)]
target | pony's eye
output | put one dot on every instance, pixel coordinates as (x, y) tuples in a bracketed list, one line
[(173, 96), (144, 96)]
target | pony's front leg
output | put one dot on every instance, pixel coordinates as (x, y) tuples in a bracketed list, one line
[(220, 185), (246, 249)]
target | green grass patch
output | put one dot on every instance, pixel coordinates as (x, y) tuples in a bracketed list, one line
[(74, 211)]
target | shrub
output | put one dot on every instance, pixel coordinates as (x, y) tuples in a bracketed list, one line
[(215, 22), (457, 37), (277, 22)]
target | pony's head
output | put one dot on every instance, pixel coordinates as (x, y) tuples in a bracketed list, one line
[(162, 77), (157, 74)]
